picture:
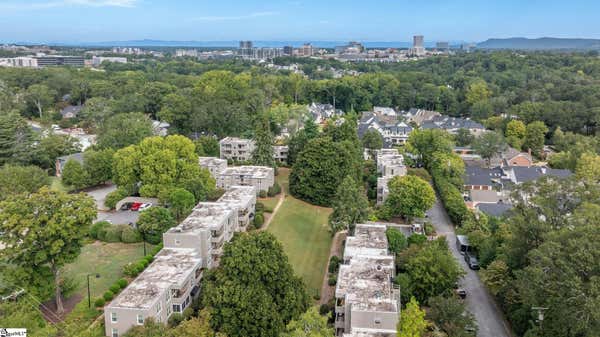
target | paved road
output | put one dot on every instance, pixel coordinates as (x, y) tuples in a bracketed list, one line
[(489, 318)]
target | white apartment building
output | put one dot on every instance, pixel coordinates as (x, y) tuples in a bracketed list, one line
[(214, 165), (166, 286), (261, 177), (389, 164), (366, 301), (236, 149), (243, 199), (280, 153)]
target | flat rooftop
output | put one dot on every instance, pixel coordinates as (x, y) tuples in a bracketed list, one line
[(235, 140), (368, 239), (170, 268), (211, 161), (238, 196), (390, 159), (206, 215), (258, 172), (366, 283), (384, 152)]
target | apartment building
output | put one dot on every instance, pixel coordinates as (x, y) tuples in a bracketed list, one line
[(366, 301), (166, 286), (236, 149), (214, 165), (261, 177), (280, 153), (243, 200), (389, 165)]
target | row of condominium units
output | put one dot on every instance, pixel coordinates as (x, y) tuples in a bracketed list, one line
[(240, 149), (367, 302), (170, 283), (389, 165)]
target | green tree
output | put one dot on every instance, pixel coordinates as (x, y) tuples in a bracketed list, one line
[(21, 179), (372, 140), (98, 165), (40, 97), (181, 203), (350, 206), (320, 169), (55, 223), (515, 133), (96, 111), (74, 175), (122, 130), (209, 146), (429, 141), (254, 292), (153, 222), (450, 315), (309, 324), (412, 321), (477, 92), (463, 137), (396, 240), (263, 140), (175, 110), (535, 136), (53, 146), (409, 196), (16, 139), (299, 140), (588, 168), (496, 277), (489, 145)]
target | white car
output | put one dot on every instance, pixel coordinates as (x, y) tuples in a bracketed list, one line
[(145, 206)]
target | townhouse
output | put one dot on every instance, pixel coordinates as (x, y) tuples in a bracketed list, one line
[(389, 165), (393, 131), (321, 113), (260, 177), (453, 124), (367, 303)]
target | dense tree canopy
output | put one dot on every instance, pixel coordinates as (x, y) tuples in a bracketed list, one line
[(409, 196), (21, 179), (350, 206)]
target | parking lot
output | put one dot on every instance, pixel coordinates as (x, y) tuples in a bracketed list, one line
[(124, 216)]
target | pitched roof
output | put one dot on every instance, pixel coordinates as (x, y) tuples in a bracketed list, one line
[(497, 210), (525, 174), (475, 175)]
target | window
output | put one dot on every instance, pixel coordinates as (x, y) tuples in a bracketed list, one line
[(377, 320), (113, 317), (115, 332), (140, 319), (177, 242), (176, 308)]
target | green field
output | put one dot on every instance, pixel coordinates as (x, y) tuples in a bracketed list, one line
[(106, 259), (302, 229)]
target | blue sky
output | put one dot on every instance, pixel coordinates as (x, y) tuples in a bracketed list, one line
[(302, 20)]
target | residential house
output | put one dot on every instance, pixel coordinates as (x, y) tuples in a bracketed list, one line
[(389, 164), (481, 178), (61, 161), (261, 177), (366, 300), (320, 113), (214, 165), (520, 174), (168, 285), (498, 209), (513, 157), (419, 116), (70, 111), (280, 153), (393, 132), (453, 124), (160, 128)]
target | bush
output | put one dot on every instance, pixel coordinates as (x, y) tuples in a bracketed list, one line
[(139, 267), (429, 229), (188, 313), (334, 264), (122, 283), (324, 309), (274, 190), (259, 207), (98, 227), (156, 249), (130, 235), (108, 295), (259, 219), (332, 280), (144, 263), (99, 302), (262, 194), (115, 288), (132, 269), (417, 239), (113, 233), (175, 319), (115, 196)]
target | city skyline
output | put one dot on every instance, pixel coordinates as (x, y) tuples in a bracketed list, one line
[(62, 21)]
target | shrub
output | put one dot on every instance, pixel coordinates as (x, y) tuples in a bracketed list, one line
[(108, 295), (156, 249), (417, 239), (175, 319), (144, 263), (99, 302), (130, 269), (262, 194), (122, 283), (317, 295), (334, 264), (188, 313), (115, 288), (323, 309), (332, 280), (130, 235), (148, 258), (139, 267), (429, 229), (274, 190), (259, 207), (98, 227), (259, 219), (115, 196), (113, 234)]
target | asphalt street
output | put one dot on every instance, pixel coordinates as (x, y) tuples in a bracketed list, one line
[(490, 320)]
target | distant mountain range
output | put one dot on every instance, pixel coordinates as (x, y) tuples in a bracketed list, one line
[(544, 43)]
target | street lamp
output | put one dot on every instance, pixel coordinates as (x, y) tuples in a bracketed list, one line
[(144, 240), (88, 286)]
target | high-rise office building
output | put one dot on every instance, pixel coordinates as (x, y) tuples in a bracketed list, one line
[(418, 48), (442, 46), (245, 48)]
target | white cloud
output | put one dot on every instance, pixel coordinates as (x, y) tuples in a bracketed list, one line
[(65, 3), (235, 17)]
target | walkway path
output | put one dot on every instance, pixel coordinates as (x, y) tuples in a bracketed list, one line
[(327, 291), (279, 203), (490, 320)]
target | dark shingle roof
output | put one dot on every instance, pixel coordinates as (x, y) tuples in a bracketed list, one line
[(475, 175), (525, 174), (497, 210)]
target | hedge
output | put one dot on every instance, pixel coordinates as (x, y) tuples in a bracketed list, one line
[(132, 269), (115, 288), (99, 302), (259, 219), (130, 235), (108, 295), (98, 227), (452, 199), (112, 234), (122, 283)]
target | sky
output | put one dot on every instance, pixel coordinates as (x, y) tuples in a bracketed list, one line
[(47, 21)]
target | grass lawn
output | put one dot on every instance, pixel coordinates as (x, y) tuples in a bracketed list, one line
[(282, 180), (302, 229), (106, 259)]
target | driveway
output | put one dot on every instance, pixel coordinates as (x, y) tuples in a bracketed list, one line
[(490, 319), (118, 217), (99, 194)]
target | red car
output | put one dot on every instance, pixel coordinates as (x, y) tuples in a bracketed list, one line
[(136, 206)]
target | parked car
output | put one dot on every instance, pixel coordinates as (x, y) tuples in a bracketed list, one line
[(126, 206), (136, 206), (471, 261), (145, 206)]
